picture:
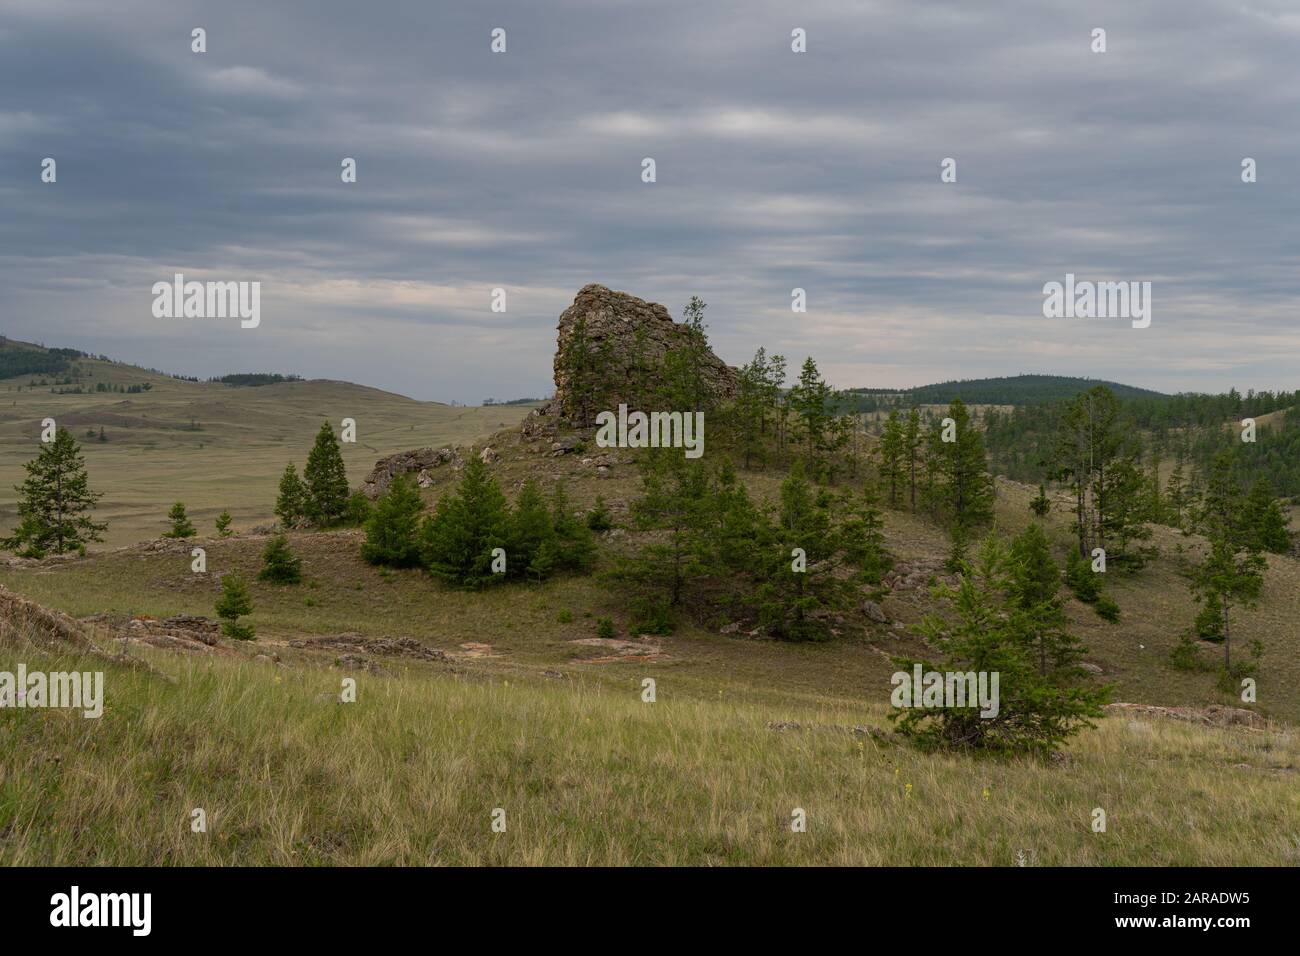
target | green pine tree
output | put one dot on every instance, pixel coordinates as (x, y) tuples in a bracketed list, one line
[(810, 399), (1041, 504), (392, 531), (458, 539), (233, 604), (985, 631), (913, 449), (291, 503), (1231, 573), (181, 525), (54, 502), (1265, 522), (223, 524), (965, 486), (279, 564), (675, 501), (573, 547), (1036, 585), (599, 518), (893, 455), (325, 479), (532, 534)]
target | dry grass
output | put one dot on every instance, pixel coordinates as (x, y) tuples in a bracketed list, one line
[(411, 773)]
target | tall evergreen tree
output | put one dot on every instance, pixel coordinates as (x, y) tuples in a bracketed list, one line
[(810, 399), (54, 501), (675, 501), (392, 530), (457, 540), (965, 486), (750, 408), (789, 600), (1035, 586), (1098, 454), (532, 534), (913, 449), (291, 502), (573, 544), (892, 449), (326, 479)]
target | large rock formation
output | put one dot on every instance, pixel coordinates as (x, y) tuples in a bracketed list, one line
[(628, 338)]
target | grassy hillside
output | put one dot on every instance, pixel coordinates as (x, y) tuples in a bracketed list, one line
[(535, 626), (210, 445), (412, 772), (528, 707)]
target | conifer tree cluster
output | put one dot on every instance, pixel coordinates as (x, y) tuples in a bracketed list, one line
[(1098, 455), (320, 496), (792, 569), (473, 538)]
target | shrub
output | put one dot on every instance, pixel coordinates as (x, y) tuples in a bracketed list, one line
[(1185, 656), (605, 627), (279, 564), (1083, 581), (650, 615), (233, 604), (599, 518), (181, 526), (1107, 608)]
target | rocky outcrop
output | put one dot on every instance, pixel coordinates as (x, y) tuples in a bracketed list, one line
[(624, 339), (417, 462), (23, 619), (1215, 715)]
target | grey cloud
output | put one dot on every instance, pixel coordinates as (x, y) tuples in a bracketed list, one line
[(775, 171)]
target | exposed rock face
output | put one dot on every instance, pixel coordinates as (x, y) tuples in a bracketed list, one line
[(630, 337), (417, 462)]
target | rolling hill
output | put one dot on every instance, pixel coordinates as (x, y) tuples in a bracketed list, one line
[(1007, 390), (208, 444)]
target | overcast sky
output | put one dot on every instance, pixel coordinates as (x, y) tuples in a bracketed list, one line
[(775, 170)]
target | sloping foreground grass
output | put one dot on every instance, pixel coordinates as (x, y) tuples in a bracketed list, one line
[(412, 772)]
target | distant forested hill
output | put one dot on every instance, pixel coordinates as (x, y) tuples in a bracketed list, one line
[(1008, 390), (20, 358)]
